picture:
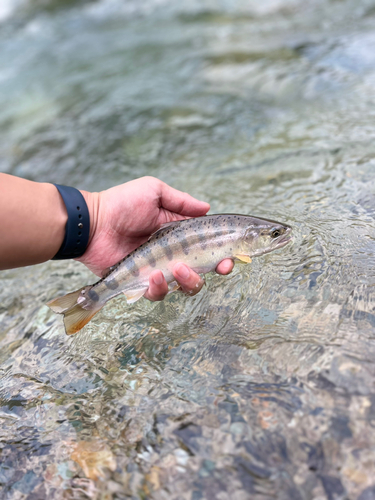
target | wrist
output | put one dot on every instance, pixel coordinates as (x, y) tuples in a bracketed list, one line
[(77, 228), (92, 202), (52, 198)]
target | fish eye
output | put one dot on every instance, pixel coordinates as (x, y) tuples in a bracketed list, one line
[(275, 233)]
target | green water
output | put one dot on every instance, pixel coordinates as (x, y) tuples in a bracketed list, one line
[(263, 385)]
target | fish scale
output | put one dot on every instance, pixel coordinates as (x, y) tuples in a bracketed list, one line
[(201, 243)]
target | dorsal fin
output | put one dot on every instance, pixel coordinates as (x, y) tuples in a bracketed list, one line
[(108, 270), (171, 224)]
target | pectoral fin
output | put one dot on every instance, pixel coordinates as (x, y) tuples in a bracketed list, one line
[(134, 295), (243, 258)]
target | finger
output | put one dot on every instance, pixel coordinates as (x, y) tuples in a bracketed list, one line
[(225, 267), (182, 203), (191, 283), (158, 287)]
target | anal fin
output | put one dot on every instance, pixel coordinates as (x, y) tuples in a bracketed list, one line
[(173, 286), (134, 295)]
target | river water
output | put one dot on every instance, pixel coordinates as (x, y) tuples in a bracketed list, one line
[(263, 385)]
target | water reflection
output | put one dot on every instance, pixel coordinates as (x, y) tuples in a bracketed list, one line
[(261, 386)]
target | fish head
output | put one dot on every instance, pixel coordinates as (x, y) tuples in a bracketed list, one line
[(263, 236)]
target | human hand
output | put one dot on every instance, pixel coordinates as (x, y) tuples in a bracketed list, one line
[(123, 217)]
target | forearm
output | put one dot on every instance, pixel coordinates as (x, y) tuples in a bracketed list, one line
[(32, 222)]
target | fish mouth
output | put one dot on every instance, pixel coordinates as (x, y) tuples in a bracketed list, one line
[(284, 240), (277, 243)]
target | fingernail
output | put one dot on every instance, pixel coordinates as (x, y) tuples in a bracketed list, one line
[(198, 287), (183, 271), (158, 279)]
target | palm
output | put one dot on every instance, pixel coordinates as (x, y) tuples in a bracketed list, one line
[(128, 214)]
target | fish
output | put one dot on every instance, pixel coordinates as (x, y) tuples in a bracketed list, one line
[(200, 242)]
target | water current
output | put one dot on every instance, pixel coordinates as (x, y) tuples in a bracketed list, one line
[(262, 386)]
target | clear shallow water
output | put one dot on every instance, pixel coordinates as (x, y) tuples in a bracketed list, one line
[(263, 385)]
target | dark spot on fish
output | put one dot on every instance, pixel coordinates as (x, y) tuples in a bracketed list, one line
[(131, 266), (163, 242), (151, 260), (93, 295), (147, 254), (185, 245), (111, 284), (213, 253), (201, 236), (168, 252)]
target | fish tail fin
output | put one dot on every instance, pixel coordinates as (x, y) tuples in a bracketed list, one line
[(75, 315), (76, 318), (62, 304)]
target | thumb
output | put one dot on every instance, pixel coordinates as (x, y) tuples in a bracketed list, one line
[(182, 203)]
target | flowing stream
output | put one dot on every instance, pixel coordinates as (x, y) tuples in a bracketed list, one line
[(262, 386)]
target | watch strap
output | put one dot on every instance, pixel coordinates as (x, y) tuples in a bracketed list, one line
[(77, 229)]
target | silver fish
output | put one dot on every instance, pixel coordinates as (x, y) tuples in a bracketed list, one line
[(201, 243)]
